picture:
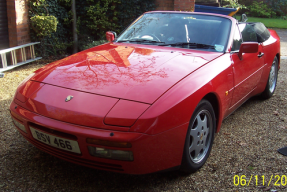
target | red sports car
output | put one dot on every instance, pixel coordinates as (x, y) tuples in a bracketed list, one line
[(151, 99)]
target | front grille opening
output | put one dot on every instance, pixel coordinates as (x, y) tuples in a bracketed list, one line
[(54, 132)]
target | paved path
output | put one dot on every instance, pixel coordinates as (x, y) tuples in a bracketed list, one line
[(283, 38)]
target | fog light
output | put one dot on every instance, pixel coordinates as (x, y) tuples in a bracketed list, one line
[(19, 125), (111, 154)]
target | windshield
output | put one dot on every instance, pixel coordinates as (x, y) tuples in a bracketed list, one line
[(205, 32)]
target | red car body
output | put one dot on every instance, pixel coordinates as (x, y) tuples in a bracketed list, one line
[(139, 94)]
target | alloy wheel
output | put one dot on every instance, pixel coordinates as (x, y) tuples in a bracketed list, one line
[(200, 137)]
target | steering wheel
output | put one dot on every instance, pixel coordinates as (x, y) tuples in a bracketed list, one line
[(154, 37)]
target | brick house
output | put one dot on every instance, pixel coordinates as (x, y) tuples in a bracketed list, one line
[(177, 5), (14, 31), (14, 23), (183, 5)]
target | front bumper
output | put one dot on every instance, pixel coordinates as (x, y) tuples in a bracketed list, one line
[(151, 153)]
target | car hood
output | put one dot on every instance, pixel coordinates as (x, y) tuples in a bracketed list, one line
[(127, 71)]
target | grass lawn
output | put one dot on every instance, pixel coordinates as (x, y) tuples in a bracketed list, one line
[(268, 22)]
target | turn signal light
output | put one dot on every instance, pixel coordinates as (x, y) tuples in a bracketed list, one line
[(19, 125), (109, 143)]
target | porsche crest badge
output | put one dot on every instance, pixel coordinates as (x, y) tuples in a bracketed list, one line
[(69, 98)]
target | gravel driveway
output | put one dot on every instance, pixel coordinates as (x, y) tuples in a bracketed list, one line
[(245, 146)]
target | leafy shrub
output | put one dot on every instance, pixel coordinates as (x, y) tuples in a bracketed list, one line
[(98, 16), (260, 9), (233, 4), (59, 41), (93, 44), (101, 16), (44, 25), (94, 18), (278, 6), (129, 10)]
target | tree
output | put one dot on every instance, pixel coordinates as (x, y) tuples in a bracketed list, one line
[(75, 35)]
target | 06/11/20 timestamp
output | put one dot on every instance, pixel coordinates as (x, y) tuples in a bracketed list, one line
[(273, 180)]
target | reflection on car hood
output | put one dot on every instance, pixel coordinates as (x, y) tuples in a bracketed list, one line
[(128, 71)]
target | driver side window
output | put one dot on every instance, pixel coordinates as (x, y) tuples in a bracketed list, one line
[(237, 40)]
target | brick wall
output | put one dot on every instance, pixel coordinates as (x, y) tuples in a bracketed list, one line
[(165, 5), (18, 25), (177, 5), (18, 22), (184, 5)]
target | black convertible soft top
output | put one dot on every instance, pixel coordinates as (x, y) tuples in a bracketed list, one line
[(262, 32)]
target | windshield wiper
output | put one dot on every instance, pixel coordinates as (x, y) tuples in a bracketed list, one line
[(190, 45), (140, 41)]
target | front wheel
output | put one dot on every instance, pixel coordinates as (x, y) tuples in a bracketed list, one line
[(199, 137), (272, 81)]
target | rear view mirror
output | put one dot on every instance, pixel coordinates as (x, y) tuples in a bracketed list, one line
[(248, 47), (110, 36)]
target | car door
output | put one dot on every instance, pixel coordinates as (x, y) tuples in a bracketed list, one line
[(247, 71)]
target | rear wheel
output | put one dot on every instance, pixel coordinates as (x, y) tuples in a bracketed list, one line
[(199, 137), (272, 81)]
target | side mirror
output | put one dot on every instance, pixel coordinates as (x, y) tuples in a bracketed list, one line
[(110, 36), (248, 47)]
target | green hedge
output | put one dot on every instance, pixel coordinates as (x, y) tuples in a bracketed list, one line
[(278, 8), (260, 10)]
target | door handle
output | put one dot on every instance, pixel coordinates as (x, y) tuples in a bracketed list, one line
[(260, 54)]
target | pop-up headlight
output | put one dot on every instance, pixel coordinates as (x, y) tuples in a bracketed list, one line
[(125, 113)]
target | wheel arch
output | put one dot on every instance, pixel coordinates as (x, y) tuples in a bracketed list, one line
[(211, 97), (278, 58)]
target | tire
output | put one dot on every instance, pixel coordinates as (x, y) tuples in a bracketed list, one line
[(272, 81), (199, 137)]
